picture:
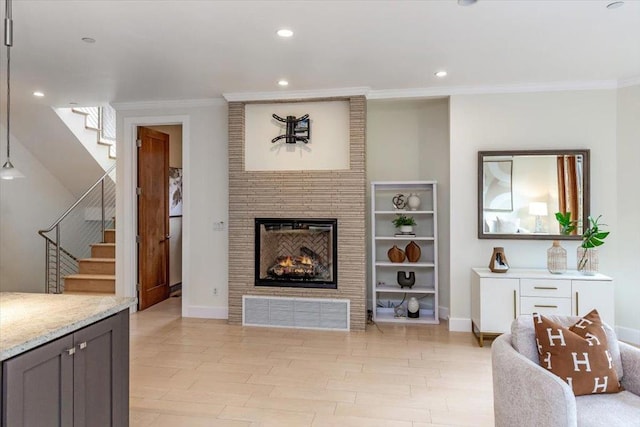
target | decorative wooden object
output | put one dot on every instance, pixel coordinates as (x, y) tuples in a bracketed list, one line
[(413, 252), (498, 262), (396, 254)]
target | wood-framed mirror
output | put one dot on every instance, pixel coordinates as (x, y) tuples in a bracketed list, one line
[(520, 191)]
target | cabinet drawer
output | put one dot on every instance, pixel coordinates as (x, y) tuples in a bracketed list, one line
[(545, 288), (542, 305)]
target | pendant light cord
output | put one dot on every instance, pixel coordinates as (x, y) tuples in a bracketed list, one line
[(8, 42)]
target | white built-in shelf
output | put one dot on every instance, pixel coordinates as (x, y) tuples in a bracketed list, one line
[(399, 212), (416, 289), (383, 238), (404, 238), (404, 265), (388, 315)]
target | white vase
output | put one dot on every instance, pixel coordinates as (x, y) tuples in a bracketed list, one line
[(556, 258), (406, 229), (413, 308), (413, 201)]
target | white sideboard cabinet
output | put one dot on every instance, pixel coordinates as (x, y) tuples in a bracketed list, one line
[(498, 298)]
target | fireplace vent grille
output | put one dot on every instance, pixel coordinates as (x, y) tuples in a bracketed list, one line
[(305, 313)]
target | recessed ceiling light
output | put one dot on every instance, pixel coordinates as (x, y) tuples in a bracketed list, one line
[(615, 5), (441, 73), (283, 83), (38, 94), (467, 2), (285, 32), (88, 40), (73, 103)]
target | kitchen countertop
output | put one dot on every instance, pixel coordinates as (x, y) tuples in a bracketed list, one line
[(29, 320)]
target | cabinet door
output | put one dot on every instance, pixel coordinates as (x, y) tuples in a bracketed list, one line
[(38, 386), (100, 385), (498, 304), (590, 294)]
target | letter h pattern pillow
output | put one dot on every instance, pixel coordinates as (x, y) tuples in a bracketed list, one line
[(579, 354)]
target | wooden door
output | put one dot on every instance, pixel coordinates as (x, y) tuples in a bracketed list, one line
[(153, 217)]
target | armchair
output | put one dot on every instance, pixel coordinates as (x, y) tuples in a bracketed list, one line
[(526, 394)]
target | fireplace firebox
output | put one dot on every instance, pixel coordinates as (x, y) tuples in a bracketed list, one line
[(296, 252)]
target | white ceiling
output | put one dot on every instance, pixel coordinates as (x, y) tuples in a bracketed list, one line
[(178, 50)]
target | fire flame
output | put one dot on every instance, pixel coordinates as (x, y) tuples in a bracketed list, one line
[(306, 260), (287, 262)]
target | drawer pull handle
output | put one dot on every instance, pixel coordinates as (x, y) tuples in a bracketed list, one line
[(551, 288), (71, 351), (577, 304), (545, 306), (83, 345)]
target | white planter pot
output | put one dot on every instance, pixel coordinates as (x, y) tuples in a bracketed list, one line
[(406, 228)]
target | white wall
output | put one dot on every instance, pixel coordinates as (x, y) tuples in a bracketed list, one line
[(206, 201), (628, 209), (327, 149), (581, 119), (409, 140), (26, 206)]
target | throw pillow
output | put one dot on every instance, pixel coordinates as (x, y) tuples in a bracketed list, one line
[(579, 354)]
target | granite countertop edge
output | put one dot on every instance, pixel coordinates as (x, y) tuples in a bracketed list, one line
[(65, 330)]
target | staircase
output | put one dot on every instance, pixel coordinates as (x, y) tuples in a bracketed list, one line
[(80, 246), (97, 274), (103, 121)]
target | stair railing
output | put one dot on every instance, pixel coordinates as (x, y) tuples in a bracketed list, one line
[(79, 226)]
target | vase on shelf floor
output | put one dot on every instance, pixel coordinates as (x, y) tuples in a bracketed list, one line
[(498, 263), (413, 201), (556, 258), (396, 254), (587, 261), (404, 280)]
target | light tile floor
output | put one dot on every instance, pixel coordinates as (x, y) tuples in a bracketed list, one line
[(198, 372)]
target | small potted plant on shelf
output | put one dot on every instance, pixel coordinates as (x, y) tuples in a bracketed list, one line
[(592, 237), (404, 223)]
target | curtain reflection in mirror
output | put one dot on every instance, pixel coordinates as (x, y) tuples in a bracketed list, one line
[(569, 188)]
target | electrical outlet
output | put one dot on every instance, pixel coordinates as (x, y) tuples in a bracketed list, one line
[(218, 226), (215, 291)]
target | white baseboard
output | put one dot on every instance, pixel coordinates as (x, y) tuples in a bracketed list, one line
[(205, 312), (629, 335), (459, 325), (443, 312)]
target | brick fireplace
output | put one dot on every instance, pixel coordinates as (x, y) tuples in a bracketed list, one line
[(334, 194)]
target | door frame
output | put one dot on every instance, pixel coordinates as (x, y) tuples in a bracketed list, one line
[(127, 204)]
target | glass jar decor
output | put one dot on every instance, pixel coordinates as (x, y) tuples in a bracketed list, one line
[(556, 258), (587, 261)]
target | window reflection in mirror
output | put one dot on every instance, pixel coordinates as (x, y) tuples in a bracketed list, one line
[(519, 192)]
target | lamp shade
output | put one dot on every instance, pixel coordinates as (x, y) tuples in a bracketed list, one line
[(538, 208)]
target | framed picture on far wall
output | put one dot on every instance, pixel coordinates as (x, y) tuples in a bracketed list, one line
[(175, 192)]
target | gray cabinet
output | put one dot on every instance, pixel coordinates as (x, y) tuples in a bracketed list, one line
[(81, 379)]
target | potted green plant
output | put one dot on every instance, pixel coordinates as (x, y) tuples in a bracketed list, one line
[(592, 238), (404, 223)]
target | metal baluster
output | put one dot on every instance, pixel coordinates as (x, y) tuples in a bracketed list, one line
[(47, 289), (58, 258), (102, 204)]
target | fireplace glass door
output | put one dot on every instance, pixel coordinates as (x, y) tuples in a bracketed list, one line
[(296, 253)]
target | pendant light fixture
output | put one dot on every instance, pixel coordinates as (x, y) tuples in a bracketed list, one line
[(8, 171)]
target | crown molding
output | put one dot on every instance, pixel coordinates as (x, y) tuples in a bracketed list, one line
[(180, 103), (300, 94), (492, 89), (633, 81)]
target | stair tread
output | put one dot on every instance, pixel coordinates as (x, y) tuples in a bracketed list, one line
[(103, 244), (110, 229), (92, 276), (97, 259)]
